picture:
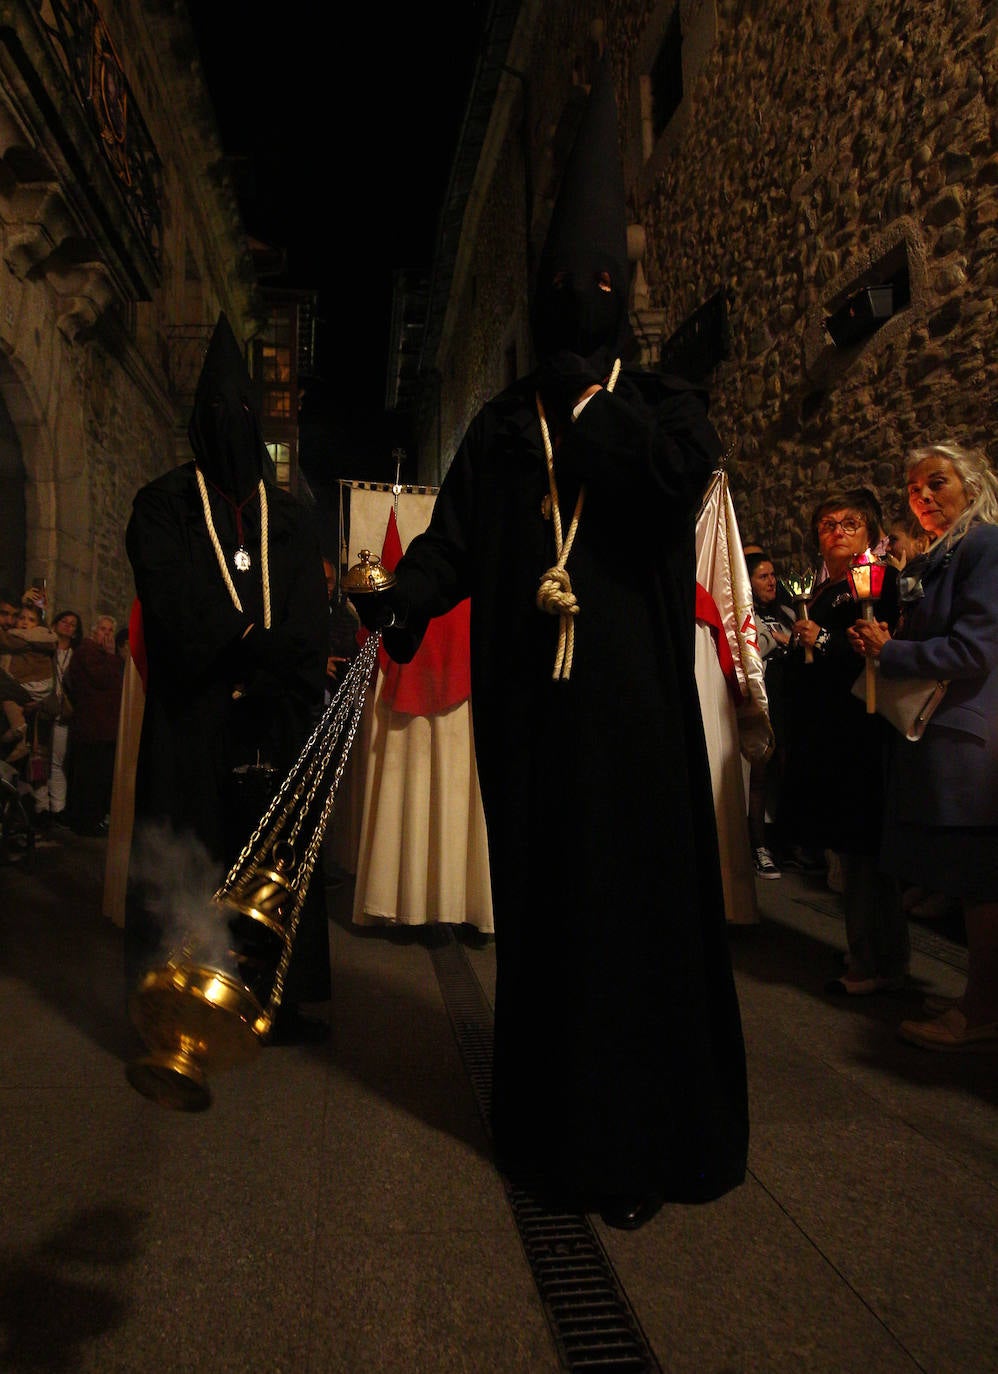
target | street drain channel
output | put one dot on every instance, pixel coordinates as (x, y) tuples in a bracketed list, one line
[(591, 1320)]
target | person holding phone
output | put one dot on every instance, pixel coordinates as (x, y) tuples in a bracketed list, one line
[(36, 596)]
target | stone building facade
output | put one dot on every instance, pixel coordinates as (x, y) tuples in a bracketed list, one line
[(814, 160), (120, 242)]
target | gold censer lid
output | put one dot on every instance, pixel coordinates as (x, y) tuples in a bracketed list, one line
[(367, 576)]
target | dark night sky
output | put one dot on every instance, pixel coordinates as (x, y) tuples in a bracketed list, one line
[(347, 144)]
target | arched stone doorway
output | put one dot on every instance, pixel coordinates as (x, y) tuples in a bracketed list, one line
[(13, 514), (27, 486)]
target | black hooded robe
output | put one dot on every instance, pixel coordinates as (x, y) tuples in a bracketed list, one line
[(195, 731), (619, 1064)]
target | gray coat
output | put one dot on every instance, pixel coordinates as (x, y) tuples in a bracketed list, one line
[(950, 777)]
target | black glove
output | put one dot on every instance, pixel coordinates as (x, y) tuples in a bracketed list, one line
[(375, 610), (563, 377)]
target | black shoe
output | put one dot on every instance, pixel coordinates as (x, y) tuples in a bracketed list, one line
[(473, 937), (803, 860), (292, 1028), (627, 1214), (764, 864), (863, 987)]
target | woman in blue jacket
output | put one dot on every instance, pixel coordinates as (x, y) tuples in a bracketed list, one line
[(942, 809)]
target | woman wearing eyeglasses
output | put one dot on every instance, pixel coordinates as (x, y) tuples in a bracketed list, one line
[(942, 819), (834, 775)]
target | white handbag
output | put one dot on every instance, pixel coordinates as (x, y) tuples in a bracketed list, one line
[(908, 703)]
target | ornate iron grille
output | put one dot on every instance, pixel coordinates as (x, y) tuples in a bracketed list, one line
[(86, 53)]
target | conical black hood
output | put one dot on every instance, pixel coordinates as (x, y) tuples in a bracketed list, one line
[(587, 236), (224, 429)]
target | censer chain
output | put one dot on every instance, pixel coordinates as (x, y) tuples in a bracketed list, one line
[(344, 710), (304, 872)]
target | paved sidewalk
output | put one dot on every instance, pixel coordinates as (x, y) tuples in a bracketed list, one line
[(337, 1209)]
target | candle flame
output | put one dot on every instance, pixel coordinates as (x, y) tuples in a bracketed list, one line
[(859, 581)]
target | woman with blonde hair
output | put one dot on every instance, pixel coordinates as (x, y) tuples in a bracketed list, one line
[(904, 540), (941, 829)]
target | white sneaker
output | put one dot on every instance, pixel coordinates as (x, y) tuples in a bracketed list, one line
[(764, 865)]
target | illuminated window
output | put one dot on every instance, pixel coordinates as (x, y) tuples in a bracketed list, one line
[(275, 364), (281, 454), (277, 405)]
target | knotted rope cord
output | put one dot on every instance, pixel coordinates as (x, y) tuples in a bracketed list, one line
[(555, 595), (216, 545)]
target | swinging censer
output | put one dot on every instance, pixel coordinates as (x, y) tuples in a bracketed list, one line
[(211, 1005)]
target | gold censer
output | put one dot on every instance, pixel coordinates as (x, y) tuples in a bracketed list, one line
[(211, 1004)]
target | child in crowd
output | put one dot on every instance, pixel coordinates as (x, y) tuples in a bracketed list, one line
[(29, 649)]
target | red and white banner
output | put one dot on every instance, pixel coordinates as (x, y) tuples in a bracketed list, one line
[(732, 690), (723, 575), (439, 675)]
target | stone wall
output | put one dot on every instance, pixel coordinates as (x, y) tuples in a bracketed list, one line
[(820, 137), (489, 314), (93, 279), (816, 144)]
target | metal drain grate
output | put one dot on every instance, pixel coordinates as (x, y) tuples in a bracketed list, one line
[(591, 1320), (470, 1018)]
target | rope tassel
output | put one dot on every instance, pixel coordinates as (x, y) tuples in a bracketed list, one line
[(555, 596)]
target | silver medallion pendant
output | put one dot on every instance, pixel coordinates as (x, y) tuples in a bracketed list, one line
[(241, 559)]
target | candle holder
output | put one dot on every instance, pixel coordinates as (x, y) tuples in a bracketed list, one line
[(801, 586), (866, 582)]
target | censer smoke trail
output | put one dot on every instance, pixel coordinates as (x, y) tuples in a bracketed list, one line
[(198, 1012)]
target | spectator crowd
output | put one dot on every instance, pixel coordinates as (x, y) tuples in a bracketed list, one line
[(895, 830), (60, 691), (901, 824)]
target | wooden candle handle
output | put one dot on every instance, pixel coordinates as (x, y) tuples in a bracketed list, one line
[(871, 667)]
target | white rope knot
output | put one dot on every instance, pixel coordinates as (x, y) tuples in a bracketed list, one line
[(555, 594)]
